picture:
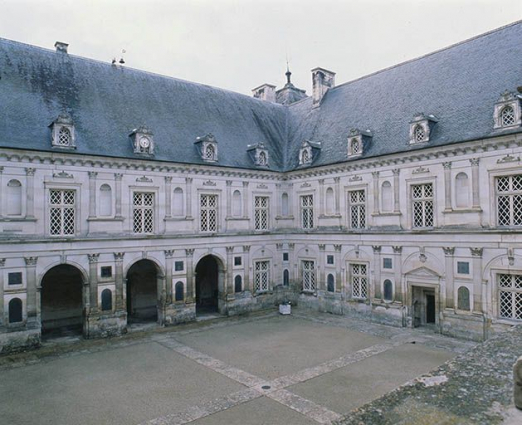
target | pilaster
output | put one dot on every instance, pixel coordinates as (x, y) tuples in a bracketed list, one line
[(229, 287), (92, 193), (447, 186), (400, 283), (30, 193), (246, 202), (396, 191), (32, 291), (450, 283), (2, 265), (191, 290), (188, 182), (338, 266), (375, 289), (321, 278), (118, 277), (169, 254), (117, 178), (480, 288), (475, 182), (93, 282), (168, 197), (246, 259), (375, 176)]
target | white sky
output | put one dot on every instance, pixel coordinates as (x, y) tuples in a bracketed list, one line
[(240, 44)]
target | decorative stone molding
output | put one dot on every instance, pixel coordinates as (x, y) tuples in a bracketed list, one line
[(322, 246), (421, 170), (229, 249), (376, 249), (189, 252), (396, 171), (397, 249), (207, 147), (118, 256), (168, 179), (118, 176), (511, 256), (262, 186), (209, 183), (420, 128), (29, 171), (306, 184), (476, 252), (62, 132), (142, 141), (188, 180), (93, 258), (448, 251), (169, 253), (474, 161), (279, 246), (447, 165), (338, 248), (355, 179), (144, 179), (2, 262), (508, 158), (246, 248), (422, 257), (31, 261), (64, 175), (291, 246)]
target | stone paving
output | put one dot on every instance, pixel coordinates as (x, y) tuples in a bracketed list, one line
[(263, 369)]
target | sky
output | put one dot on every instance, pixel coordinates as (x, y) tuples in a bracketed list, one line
[(241, 44)]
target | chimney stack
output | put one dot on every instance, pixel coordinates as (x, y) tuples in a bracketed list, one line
[(61, 47), (265, 92), (322, 80)]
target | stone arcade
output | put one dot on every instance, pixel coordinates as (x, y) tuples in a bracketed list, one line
[(128, 197)]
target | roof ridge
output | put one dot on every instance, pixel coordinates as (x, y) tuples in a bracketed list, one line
[(154, 74), (451, 46)]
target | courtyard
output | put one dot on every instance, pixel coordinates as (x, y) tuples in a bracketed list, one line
[(262, 369)]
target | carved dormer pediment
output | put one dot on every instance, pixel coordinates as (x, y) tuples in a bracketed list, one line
[(358, 142), (62, 132), (258, 154), (421, 127), (309, 152), (207, 148), (142, 140)]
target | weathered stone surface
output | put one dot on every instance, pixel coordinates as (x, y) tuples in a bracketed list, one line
[(517, 378)]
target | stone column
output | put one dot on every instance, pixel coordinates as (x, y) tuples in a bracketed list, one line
[(188, 181), (479, 289), (246, 268), (229, 284), (338, 267), (2, 265), (517, 380), (321, 278), (29, 205), (117, 179), (475, 182), (396, 190), (32, 297), (376, 209), (337, 181), (400, 289), (92, 193), (93, 281), (169, 254), (450, 285), (291, 262), (168, 197), (118, 277), (377, 292), (322, 198), (246, 213), (447, 186), (278, 266), (191, 290)]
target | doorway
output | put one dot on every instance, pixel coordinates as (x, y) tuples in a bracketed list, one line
[(142, 292), (207, 285), (424, 306)]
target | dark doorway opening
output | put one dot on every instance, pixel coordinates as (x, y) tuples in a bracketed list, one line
[(61, 301), (430, 308), (142, 292), (207, 278)]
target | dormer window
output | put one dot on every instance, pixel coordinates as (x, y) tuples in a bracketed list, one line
[(259, 154), (63, 132), (309, 152), (207, 148), (507, 111), (357, 141), (142, 141), (421, 127)]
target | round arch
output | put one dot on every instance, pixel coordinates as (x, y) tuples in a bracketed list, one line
[(210, 284)]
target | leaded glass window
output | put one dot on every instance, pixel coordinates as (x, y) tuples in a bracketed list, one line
[(357, 201), (208, 213), (261, 207), (422, 195), (359, 275), (509, 200), (308, 276), (261, 276), (64, 137), (62, 212), (507, 116), (210, 153), (419, 134), (510, 296), (143, 212), (307, 211)]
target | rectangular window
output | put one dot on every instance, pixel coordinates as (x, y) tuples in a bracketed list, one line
[(237, 261), (261, 204), (510, 296), (509, 200), (62, 212), (308, 276), (462, 267), (178, 266), (106, 271), (14, 278), (387, 263), (359, 276), (329, 259), (357, 208), (208, 213), (143, 212), (307, 211), (261, 276), (422, 197), (285, 256)]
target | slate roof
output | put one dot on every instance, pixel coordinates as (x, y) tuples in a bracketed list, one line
[(459, 85)]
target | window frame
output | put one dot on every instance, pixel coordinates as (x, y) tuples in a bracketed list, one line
[(218, 196), (77, 211), (260, 211), (309, 208), (258, 273), (353, 276), (309, 274), (411, 216), (154, 208), (511, 290), (359, 205)]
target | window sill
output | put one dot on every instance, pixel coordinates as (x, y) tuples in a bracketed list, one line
[(284, 217), (310, 293), (236, 218), (178, 218), (107, 219), (17, 219), (387, 214), (462, 210)]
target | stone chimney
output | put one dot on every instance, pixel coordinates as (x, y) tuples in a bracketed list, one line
[(265, 92), (322, 80), (61, 47)]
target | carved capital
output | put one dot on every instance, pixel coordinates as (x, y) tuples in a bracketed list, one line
[(30, 171), (397, 249), (474, 161), (338, 248), (321, 181), (30, 261), (449, 250), (447, 165), (322, 246), (118, 256), (169, 253), (93, 174), (246, 248), (291, 246), (93, 258), (189, 252), (245, 184), (376, 249), (476, 252), (2, 262), (230, 249), (229, 182), (188, 180), (375, 174), (118, 176), (337, 179), (279, 246), (396, 171), (168, 179)]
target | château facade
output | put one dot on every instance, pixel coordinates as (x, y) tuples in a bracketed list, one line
[(127, 196)]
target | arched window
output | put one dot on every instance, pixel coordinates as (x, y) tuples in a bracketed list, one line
[(286, 277), (105, 200), (418, 133), (355, 147), (386, 197), (462, 190), (209, 152), (284, 204), (329, 201), (262, 158), (14, 198), (236, 203), (507, 116), (305, 157), (463, 299), (330, 283), (178, 291), (238, 284), (15, 310), (64, 137), (388, 290), (178, 204), (106, 300)]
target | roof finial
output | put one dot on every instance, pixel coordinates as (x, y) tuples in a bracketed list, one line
[(287, 73)]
